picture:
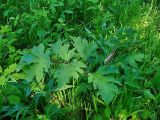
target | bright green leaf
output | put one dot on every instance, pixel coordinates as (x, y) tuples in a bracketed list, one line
[(40, 60), (62, 50), (66, 71), (105, 87), (85, 49)]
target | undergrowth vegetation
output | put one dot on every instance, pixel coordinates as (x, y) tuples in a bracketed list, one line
[(79, 59)]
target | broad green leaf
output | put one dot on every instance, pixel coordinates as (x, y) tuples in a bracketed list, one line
[(66, 71), (85, 49), (134, 57), (132, 77), (40, 60), (106, 88), (62, 51), (28, 58), (13, 99)]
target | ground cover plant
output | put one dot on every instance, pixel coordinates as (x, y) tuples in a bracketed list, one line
[(79, 60)]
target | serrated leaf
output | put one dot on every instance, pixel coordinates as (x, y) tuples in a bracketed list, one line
[(105, 87), (62, 50), (85, 49), (27, 58), (133, 57), (66, 71), (132, 78), (40, 60)]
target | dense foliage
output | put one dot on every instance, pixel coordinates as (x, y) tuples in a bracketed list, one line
[(79, 59)]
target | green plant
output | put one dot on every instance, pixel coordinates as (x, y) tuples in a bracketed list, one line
[(79, 59)]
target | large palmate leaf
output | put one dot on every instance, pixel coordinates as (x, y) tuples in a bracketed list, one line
[(134, 57), (105, 85), (66, 71), (85, 49), (132, 78), (36, 63), (62, 51)]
